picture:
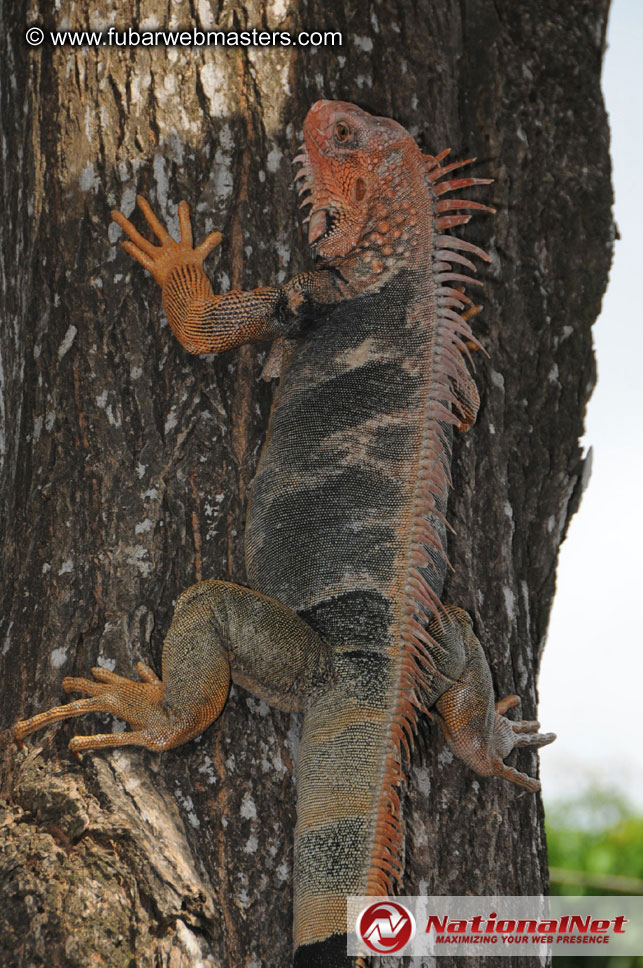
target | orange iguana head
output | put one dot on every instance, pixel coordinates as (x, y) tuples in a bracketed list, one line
[(354, 169)]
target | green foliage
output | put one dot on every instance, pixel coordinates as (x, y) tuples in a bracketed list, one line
[(600, 837), (595, 847)]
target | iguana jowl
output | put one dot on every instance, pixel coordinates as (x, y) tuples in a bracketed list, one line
[(346, 532)]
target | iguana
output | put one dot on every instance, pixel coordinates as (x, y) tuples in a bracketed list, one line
[(346, 528)]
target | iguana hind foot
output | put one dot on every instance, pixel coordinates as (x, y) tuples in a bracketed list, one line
[(475, 727), (138, 703)]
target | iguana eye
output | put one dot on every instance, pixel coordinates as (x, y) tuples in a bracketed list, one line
[(342, 132)]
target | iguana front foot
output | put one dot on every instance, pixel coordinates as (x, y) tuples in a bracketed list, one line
[(161, 260)]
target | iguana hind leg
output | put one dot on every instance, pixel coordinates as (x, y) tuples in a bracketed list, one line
[(467, 402), (465, 391), (473, 725), (219, 631)]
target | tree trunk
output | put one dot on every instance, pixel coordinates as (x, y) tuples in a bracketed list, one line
[(125, 463)]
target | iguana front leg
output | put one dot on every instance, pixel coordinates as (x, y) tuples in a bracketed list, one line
[(220, 631), (202, 320)]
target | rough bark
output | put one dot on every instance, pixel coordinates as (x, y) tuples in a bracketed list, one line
[(125, 463)]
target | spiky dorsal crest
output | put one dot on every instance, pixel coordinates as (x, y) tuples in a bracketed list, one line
[(453, 339)]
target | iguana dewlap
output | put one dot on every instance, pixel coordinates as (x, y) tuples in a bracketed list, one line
[(345, 537)]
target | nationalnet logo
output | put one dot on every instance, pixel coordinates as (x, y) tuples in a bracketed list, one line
[(495, 926), (385, 927)]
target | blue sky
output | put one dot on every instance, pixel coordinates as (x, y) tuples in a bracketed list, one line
[(592, 674)]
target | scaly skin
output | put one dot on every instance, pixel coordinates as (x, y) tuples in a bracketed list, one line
[(345, 540)]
